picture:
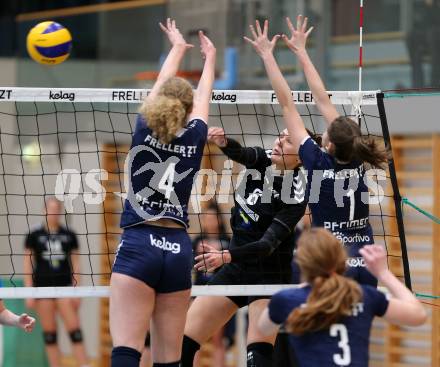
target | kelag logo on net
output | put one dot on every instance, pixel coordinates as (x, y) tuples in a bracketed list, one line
[(162, 182)]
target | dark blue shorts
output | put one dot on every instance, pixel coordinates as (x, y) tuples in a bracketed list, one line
[(160, 257)]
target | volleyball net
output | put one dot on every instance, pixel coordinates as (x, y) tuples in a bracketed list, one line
[(72, 144)]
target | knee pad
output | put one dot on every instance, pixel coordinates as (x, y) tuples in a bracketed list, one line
[(259, 355), (76, 336), (50, 337), (172, 364), (189, 350), (125, 357)]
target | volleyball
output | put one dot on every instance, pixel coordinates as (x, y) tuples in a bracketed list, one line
[(49, 43)]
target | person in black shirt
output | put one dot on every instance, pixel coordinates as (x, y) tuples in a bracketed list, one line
[(50, 261), (269, 202)]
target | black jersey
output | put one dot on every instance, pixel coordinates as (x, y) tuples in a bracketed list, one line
[(51, 256), (265, 201)]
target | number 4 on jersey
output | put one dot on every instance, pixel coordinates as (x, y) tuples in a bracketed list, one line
[(167, 180)]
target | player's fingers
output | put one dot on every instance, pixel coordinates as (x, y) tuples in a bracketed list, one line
[(173, 24), (168, 23), (254, 34), (201, 258), (275, 39), (290, 25), (200, 264), (304, 25), (265, 28), (248, 40), (298, 22), (286, 40), (309, 31), (163, 27), (257, 25), (207, 248)]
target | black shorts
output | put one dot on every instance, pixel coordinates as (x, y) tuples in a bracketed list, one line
[(235, 274)]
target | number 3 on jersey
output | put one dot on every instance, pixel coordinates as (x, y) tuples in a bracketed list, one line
[(167, 180), (340, 331)]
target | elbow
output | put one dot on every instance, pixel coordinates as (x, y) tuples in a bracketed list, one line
[(422, 316), (419, 316)]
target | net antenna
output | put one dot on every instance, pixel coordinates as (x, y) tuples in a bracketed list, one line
[(356, 106)]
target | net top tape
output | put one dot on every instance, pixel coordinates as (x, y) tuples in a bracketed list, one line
[(21, 94), (104, 291)]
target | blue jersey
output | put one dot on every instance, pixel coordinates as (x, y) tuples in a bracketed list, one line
[(161, 175), (345, 343), (338, 196)]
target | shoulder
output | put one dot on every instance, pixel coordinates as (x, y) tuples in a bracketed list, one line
[(285, 301), (312, 156), (68, 232), (36, 228), (375, 300), (197, 124), (141, 123)]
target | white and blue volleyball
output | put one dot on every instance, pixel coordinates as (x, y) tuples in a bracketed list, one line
[(49, 43)]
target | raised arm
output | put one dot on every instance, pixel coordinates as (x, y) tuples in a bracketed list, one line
[(247, 156), (264, 49), (202, 94), (403, 307), (172, 62), (297, 43)]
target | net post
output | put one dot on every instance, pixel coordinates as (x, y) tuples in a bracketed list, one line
[(396, 197)]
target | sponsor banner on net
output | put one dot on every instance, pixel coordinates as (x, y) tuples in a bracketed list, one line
[(21, 94)]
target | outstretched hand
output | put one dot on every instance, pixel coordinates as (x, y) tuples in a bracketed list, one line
[(298, 36), (375, 258), (261, 43), (207, 48), (173, 34)]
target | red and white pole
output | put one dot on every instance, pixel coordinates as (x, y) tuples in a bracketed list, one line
[(361, 26)]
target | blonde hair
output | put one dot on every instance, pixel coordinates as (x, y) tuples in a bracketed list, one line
[(166, 114), (321, 259)]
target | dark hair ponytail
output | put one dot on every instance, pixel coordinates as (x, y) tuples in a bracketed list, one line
[(349, 144), (368, 150)]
